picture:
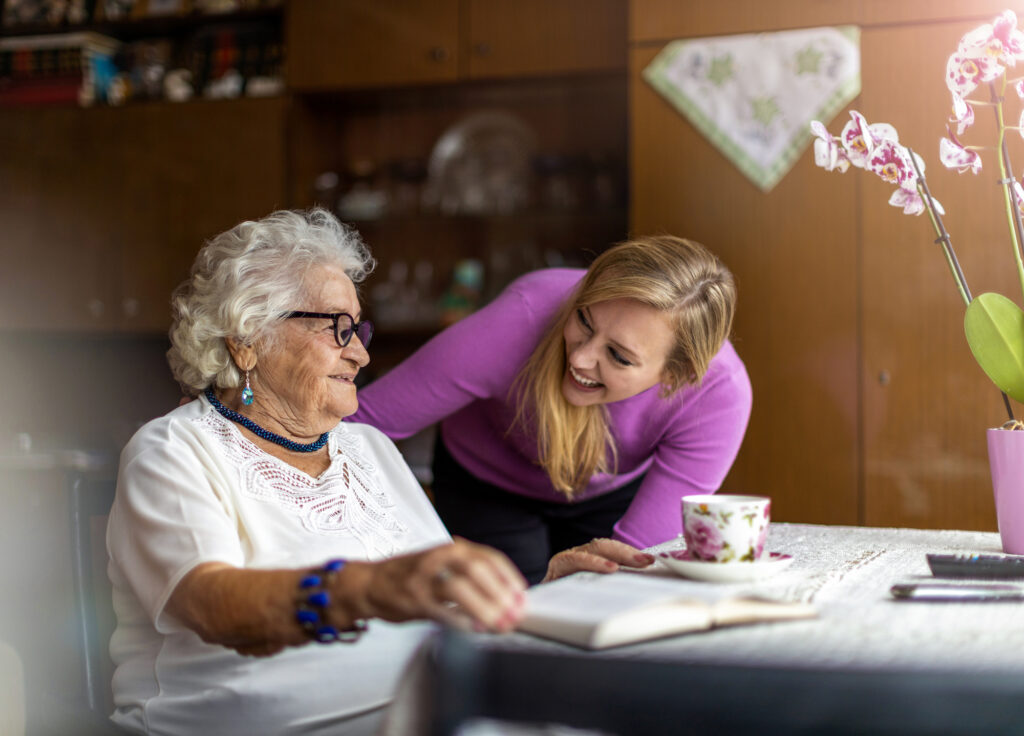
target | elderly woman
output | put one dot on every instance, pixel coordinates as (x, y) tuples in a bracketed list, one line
[(252, 521)]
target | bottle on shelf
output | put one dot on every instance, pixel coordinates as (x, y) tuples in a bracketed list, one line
[(463, 296)]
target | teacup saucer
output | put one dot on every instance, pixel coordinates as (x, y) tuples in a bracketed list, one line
[(679, 562)]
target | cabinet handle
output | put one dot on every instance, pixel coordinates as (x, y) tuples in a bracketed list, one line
[(884, 378), (95, 308), (130, 307), (438, 53), (482, 49)]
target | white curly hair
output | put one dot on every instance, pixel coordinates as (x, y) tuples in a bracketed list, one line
[(244, 280)]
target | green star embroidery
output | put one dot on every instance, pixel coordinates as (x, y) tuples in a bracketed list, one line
[(808, 60), (721, 70), (765, 110)]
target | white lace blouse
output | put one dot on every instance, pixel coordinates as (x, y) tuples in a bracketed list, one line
[(193, 489)]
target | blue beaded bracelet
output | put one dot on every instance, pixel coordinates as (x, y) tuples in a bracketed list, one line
[(311, 610)]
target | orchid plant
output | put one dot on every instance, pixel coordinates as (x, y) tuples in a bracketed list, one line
[(994, 324)]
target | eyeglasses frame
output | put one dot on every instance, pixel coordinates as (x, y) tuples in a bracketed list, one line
[(334, 317)]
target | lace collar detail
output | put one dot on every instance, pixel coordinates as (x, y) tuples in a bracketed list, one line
[(346, 499)]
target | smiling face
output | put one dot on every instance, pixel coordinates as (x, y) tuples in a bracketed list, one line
[(304, 382), (614, 349)]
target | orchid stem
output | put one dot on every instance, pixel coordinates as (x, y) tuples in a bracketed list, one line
[(947, 249), (940, 230), (1006, 172)]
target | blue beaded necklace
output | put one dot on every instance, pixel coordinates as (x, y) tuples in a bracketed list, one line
[(266, 434)]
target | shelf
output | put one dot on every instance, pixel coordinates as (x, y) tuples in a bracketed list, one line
[(404, 334), (533, 218), (147, 27)]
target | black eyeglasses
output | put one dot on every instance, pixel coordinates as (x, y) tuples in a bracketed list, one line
[(344, 326)]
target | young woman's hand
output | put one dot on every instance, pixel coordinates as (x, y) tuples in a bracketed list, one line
[(597, 555)]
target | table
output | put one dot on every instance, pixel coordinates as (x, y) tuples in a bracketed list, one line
[(846, 572), (867, 664)]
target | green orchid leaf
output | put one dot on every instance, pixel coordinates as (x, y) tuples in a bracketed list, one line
[(995, 331)]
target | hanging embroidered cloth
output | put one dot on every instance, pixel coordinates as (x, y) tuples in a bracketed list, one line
[(753, 95)]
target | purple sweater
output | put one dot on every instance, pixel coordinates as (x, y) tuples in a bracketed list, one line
[(461, 378)]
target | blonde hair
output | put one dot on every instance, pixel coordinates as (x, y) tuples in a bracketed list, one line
[(241, 283), (673, 275)]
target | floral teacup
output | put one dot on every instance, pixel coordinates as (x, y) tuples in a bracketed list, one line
[(726, 528)]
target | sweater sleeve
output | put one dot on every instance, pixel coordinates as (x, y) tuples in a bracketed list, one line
[(476, 358), (693, 456)]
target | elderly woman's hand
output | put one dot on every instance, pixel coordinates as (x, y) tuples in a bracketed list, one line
[(462, 584), (597, 555), (253, 611)]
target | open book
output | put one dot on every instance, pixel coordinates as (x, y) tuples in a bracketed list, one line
[(596, 611)]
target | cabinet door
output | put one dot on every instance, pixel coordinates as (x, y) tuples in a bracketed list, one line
[(191, 171), (524, 37), (59, 185), (367, 43)]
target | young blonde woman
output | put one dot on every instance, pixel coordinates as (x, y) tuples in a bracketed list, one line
[(578, 404)]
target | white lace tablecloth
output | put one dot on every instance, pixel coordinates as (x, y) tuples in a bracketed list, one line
[(846, 572)]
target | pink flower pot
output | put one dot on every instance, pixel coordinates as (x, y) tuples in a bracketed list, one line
[(1006, 459)]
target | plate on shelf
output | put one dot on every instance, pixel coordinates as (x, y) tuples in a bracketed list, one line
[(680, 562), (481, 166)]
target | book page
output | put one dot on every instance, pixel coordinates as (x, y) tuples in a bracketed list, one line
[(595, 611), (734, 611)]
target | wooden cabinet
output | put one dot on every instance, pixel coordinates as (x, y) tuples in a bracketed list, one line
[(376, 85), (104, 209), (361, 43), (418, 246), (868, 407), (346, 44)]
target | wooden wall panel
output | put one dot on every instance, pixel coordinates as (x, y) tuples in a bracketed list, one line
[(924, 432), (794, 253), (868, 406), (662, 20), (653, 21)]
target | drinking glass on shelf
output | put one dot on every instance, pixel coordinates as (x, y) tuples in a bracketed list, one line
[(405, 179), (364, 198)]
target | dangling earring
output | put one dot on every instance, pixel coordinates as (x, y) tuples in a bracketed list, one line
[(247, 391)]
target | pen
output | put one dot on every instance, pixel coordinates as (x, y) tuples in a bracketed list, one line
[(953, 592)]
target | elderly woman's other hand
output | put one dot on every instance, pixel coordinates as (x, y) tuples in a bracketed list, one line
[(597, 555), (463, 584)]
